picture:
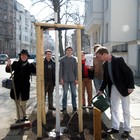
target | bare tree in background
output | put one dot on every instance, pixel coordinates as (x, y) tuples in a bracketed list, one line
[(68, 15)]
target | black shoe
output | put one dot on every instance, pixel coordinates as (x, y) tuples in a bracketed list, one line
[(24, 119), (18, 121), (125, 134), (84, 107), (74, 108), (52, 108), (63, 110), (112, 131)]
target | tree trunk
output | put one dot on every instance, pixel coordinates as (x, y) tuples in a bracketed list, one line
[(56, 5)]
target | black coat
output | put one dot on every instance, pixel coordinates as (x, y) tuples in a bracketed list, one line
[(21, 79), (122, 76), (48, 64)]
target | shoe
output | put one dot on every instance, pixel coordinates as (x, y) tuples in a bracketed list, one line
[(18, 121), (74, 108), (84, 107), (64, 110), (112, 131), (52, 108), (125, 134), (24, 119), (90, 107)]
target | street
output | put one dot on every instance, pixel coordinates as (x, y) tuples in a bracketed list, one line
[(8, 113)]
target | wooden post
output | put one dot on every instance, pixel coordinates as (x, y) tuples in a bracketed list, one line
[(97, 124), (38, 81), (79, 80), (41, 64), (41, 118)]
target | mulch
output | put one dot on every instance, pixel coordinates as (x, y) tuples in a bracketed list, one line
[(70, 126)]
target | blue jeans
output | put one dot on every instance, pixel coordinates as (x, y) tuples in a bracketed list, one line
[(97, 84), (73, 94)]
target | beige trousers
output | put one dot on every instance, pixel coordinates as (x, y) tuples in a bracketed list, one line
[(20, 108)]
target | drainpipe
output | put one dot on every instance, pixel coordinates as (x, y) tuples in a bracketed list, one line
[(138, 20), (103, 24), (138, 39)]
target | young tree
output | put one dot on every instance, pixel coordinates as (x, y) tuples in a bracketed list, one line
[(64, 15)]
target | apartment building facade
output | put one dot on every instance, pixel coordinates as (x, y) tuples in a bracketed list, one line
[(25, 30), (17, 30), (116, 25), (7, 27)]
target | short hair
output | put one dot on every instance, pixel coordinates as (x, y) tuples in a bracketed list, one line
[(83, 52), (68, 47), (102, 50), (48, 50), (96, 46)]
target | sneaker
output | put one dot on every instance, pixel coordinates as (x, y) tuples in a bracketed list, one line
[(112, 131), (90, 107), (18, 121), (125, 134), (84, 107)]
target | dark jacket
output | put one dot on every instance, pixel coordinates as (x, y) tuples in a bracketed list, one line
[(21, 79), (52, 66), (122, 76)]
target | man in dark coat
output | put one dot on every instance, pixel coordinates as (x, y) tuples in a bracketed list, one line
[(119, 78), (49, 75), (22, 71)]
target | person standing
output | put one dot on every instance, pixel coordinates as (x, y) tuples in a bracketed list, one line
[(87, 76), (98, 69), (119, 78), (49, 76), (22, 71), (68, 77)]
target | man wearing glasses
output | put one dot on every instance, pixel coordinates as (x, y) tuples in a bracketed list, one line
[(119, 78)]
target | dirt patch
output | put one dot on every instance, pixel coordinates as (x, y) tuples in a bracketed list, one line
[(70, 125)]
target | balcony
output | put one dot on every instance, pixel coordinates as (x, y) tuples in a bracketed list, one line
[(94, 14)]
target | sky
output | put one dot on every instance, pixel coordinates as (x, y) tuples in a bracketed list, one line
[(42, 12), (37, 9)]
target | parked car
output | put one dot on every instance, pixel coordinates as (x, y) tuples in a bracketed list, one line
[(32, 56), (3, 58)]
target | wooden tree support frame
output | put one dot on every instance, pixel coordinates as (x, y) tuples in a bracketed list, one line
[(97, 124), (40, 27)]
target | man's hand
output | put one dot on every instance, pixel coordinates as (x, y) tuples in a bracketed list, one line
[(76, 82), (130, 91), (99, 93), (8, 62), (61, 82)]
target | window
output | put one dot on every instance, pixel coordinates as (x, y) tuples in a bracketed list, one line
[(120, 48), (106, 4)]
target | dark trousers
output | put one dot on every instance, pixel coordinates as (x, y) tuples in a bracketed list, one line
[(49, 88)]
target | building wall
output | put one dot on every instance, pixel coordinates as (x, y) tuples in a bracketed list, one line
[(25, 30), (119, 25), (123, 20)]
